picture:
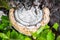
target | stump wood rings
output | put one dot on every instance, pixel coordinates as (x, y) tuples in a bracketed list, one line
[(27, 21)]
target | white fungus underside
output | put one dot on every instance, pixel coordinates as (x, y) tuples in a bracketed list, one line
[(29, 17)]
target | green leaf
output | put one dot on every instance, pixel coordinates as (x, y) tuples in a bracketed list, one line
[(4, 17), (27, 38), (2, 35), (5, 39), (55, 26), (21, 36), (41, 38), (2, 26), (8, 34), (14, 34), (50, 35), (47, 27), (36, 34), (58, 38), (0, 38), (43, 35), (4, 23), (40, 29)]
